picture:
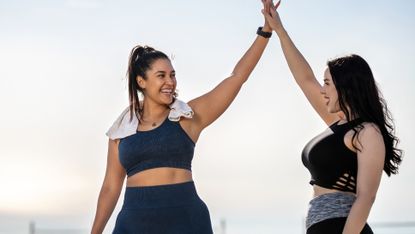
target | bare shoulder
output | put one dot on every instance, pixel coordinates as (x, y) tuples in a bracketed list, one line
[(370, 130), (370, 135)]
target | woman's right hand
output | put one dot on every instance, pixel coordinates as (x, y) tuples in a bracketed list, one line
[(271, 15)]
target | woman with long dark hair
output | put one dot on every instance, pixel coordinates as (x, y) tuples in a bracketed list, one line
[(347, 159), (152, 144)]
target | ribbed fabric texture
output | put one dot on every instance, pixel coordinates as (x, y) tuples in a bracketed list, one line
[(165, 146), (163, 209)]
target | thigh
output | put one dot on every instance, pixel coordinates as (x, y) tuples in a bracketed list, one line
[(200, 219)]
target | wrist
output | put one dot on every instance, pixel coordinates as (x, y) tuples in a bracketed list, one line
[(280, 32), (261, 32), (267, 28)]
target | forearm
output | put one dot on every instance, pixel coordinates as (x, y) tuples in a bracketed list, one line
[(298, 65), (211, 105), (249, 60), (358, 215), (106, 203)]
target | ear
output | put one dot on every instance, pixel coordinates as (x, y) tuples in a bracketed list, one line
[(141, 82)]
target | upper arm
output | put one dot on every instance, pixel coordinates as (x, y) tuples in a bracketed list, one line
[(371, 158), (208, 107), (115, 173), (312, 90)]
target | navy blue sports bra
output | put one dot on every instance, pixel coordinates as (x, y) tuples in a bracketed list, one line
[(165, 146), (330, 162)]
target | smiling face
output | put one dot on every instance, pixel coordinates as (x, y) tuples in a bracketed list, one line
[(330, 94), (160, 83)]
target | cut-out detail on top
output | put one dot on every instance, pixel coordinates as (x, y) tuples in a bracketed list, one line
[(345, 181)]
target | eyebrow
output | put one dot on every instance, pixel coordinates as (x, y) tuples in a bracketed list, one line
[(163, 72), (325, 79)]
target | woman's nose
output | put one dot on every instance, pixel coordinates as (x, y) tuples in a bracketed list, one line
[(322, 90)]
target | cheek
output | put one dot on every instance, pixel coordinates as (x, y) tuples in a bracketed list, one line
[(174, 82), (335, 94), (332, 92), (155, 83)]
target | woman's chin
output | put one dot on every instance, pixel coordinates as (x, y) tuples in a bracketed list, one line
[(166, 100)]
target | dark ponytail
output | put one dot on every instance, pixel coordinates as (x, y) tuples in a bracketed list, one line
[(141, 59)]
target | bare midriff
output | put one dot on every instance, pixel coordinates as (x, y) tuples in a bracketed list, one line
[(159, 176), (318, 191)]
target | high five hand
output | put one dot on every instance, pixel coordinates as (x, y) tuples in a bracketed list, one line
[(271, 15)]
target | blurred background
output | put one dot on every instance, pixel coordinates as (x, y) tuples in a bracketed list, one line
[(62, 84)]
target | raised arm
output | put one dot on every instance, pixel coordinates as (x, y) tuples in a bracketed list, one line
[(301, 70), (210, 106), (111, 188)]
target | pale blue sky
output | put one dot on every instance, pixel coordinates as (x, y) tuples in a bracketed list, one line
[(62, 67)]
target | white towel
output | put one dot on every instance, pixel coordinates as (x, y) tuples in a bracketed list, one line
[(123, 127)]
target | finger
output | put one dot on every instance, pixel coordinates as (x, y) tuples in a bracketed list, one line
[(263, 12), (264, 3), (267, 16), (268, 5), (272, 9), (273, 13), (277, 4), (271, 6), (271, 3)]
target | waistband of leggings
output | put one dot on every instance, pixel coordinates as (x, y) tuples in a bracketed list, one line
[(160, 195), (329, 205)]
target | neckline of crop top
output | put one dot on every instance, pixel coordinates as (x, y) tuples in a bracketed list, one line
[(330, 162), (153, 129), (168, 145)]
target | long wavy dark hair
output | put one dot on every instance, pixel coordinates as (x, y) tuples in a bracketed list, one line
[(359, 97), (141, 59)]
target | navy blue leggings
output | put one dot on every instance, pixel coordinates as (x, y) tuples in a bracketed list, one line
[(334, 226), (167, 209)]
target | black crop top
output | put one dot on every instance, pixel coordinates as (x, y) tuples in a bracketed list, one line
[(165, 146), (331, 163)]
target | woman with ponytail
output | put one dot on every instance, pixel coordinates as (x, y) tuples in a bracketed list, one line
[(151, 145), (347, 159)]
